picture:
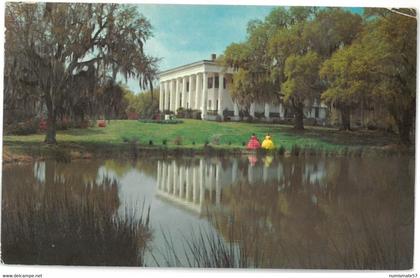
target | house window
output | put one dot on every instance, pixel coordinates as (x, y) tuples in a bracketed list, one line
[(209, 103), (224, 83), (180, 100), (210, 83), (216, 81), (217, 104), (188, 86)]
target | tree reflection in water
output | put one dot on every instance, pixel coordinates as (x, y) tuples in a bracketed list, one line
[(354, 215)]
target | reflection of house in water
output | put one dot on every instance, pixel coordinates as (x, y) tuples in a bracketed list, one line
[(186, 185), (198, 184), (315, 171)]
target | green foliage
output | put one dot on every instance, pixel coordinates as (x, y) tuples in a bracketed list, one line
[(332, 55), (145, 104), (302, 82), (331, 29), (380, 67)]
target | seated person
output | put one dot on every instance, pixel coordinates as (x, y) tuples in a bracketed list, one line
[(268, 144), (253, 143)]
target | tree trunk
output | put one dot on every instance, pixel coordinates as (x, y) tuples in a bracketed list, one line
[(51, 121), (345, 118), (152, 98), (298, 111)]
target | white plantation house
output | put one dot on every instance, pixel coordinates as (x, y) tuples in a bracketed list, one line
[(203, 86)]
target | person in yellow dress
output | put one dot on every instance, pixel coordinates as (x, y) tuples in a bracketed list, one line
[(268, 144)]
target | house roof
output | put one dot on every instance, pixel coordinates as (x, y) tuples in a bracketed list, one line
[(211, 62)]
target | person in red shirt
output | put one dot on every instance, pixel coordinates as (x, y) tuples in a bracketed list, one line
[(253, 143)]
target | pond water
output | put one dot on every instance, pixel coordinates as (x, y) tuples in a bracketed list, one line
[(255, 211)]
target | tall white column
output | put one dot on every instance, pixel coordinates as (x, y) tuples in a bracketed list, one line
[(267, 110), (184, 92), (198, 90), (204, 98), (281, 111), (161, 96), (190, 93), (252, 110), (176, 95), (172, 92), (221, 95), (214, 96), (167, 95)]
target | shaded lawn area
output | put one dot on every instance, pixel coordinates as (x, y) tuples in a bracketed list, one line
[(228, 134)]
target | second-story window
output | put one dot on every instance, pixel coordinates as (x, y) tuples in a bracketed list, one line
[(210, 83), (216, 81), (224, 83), (188, 86)]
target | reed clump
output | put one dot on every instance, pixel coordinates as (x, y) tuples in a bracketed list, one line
[(69, 223)]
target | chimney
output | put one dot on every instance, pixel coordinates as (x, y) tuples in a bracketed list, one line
[(213, 57)]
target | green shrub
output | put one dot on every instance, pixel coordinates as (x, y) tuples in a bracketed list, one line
[(173, 121), (180, 112)]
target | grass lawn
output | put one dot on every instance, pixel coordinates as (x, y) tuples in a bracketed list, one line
[(230, 135)]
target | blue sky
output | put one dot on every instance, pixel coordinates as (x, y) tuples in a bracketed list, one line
[(189, 33)]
